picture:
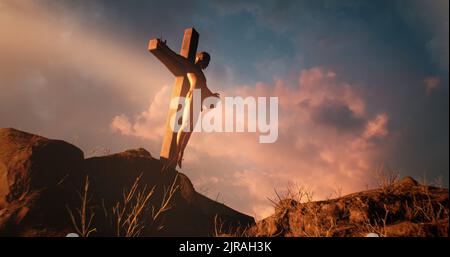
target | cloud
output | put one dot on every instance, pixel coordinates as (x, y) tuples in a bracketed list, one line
[(377, 127), (431, 19), (318, 85), (336, 114), (431, 83), (148, 124), (324, 142)]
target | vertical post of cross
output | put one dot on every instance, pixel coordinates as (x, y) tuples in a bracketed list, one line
[(180, 89)]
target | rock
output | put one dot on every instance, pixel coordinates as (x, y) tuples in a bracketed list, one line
[(187, 190), (34, 168), (133, 153), (331, 210), (109, 175), (405, 229), (266, 227), (30, 163), (358, 215), (408, 182)]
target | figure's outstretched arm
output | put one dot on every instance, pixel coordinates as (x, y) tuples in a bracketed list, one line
[(206, 92), (173, 61)]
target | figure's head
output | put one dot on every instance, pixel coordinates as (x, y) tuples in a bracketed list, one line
[(202, 59)]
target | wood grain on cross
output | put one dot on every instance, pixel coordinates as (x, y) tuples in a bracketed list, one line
[(178, 64)]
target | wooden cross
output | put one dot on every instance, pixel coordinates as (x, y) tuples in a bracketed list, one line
[(178, 64)]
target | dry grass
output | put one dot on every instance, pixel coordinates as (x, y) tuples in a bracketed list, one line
[(166, 204), (82, 222), (424, 209), (130, 212), (385, 178), (222, 230), (377, 225), (219, 230), (293, 193), (102, 151), (135, 213)]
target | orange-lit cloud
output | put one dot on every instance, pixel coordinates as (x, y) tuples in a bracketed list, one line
[(431, 83), (322, 145), (150, 123)]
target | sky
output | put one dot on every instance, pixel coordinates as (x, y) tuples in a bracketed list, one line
[(361, 85)]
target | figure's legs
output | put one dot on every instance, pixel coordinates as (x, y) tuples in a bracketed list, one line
[(184, 143), (180, 139), (180, 146), (185, 129)]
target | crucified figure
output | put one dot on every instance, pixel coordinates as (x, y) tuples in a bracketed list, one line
[(197, 80), (188, 69)]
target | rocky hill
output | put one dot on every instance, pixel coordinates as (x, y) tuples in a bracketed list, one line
[(402, 208), (48, 188)]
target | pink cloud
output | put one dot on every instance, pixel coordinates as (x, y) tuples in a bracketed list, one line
[(308, 153), (431, 83), (148, 124), (377, 127)]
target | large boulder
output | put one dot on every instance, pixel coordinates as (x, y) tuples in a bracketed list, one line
[(37, 177)]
